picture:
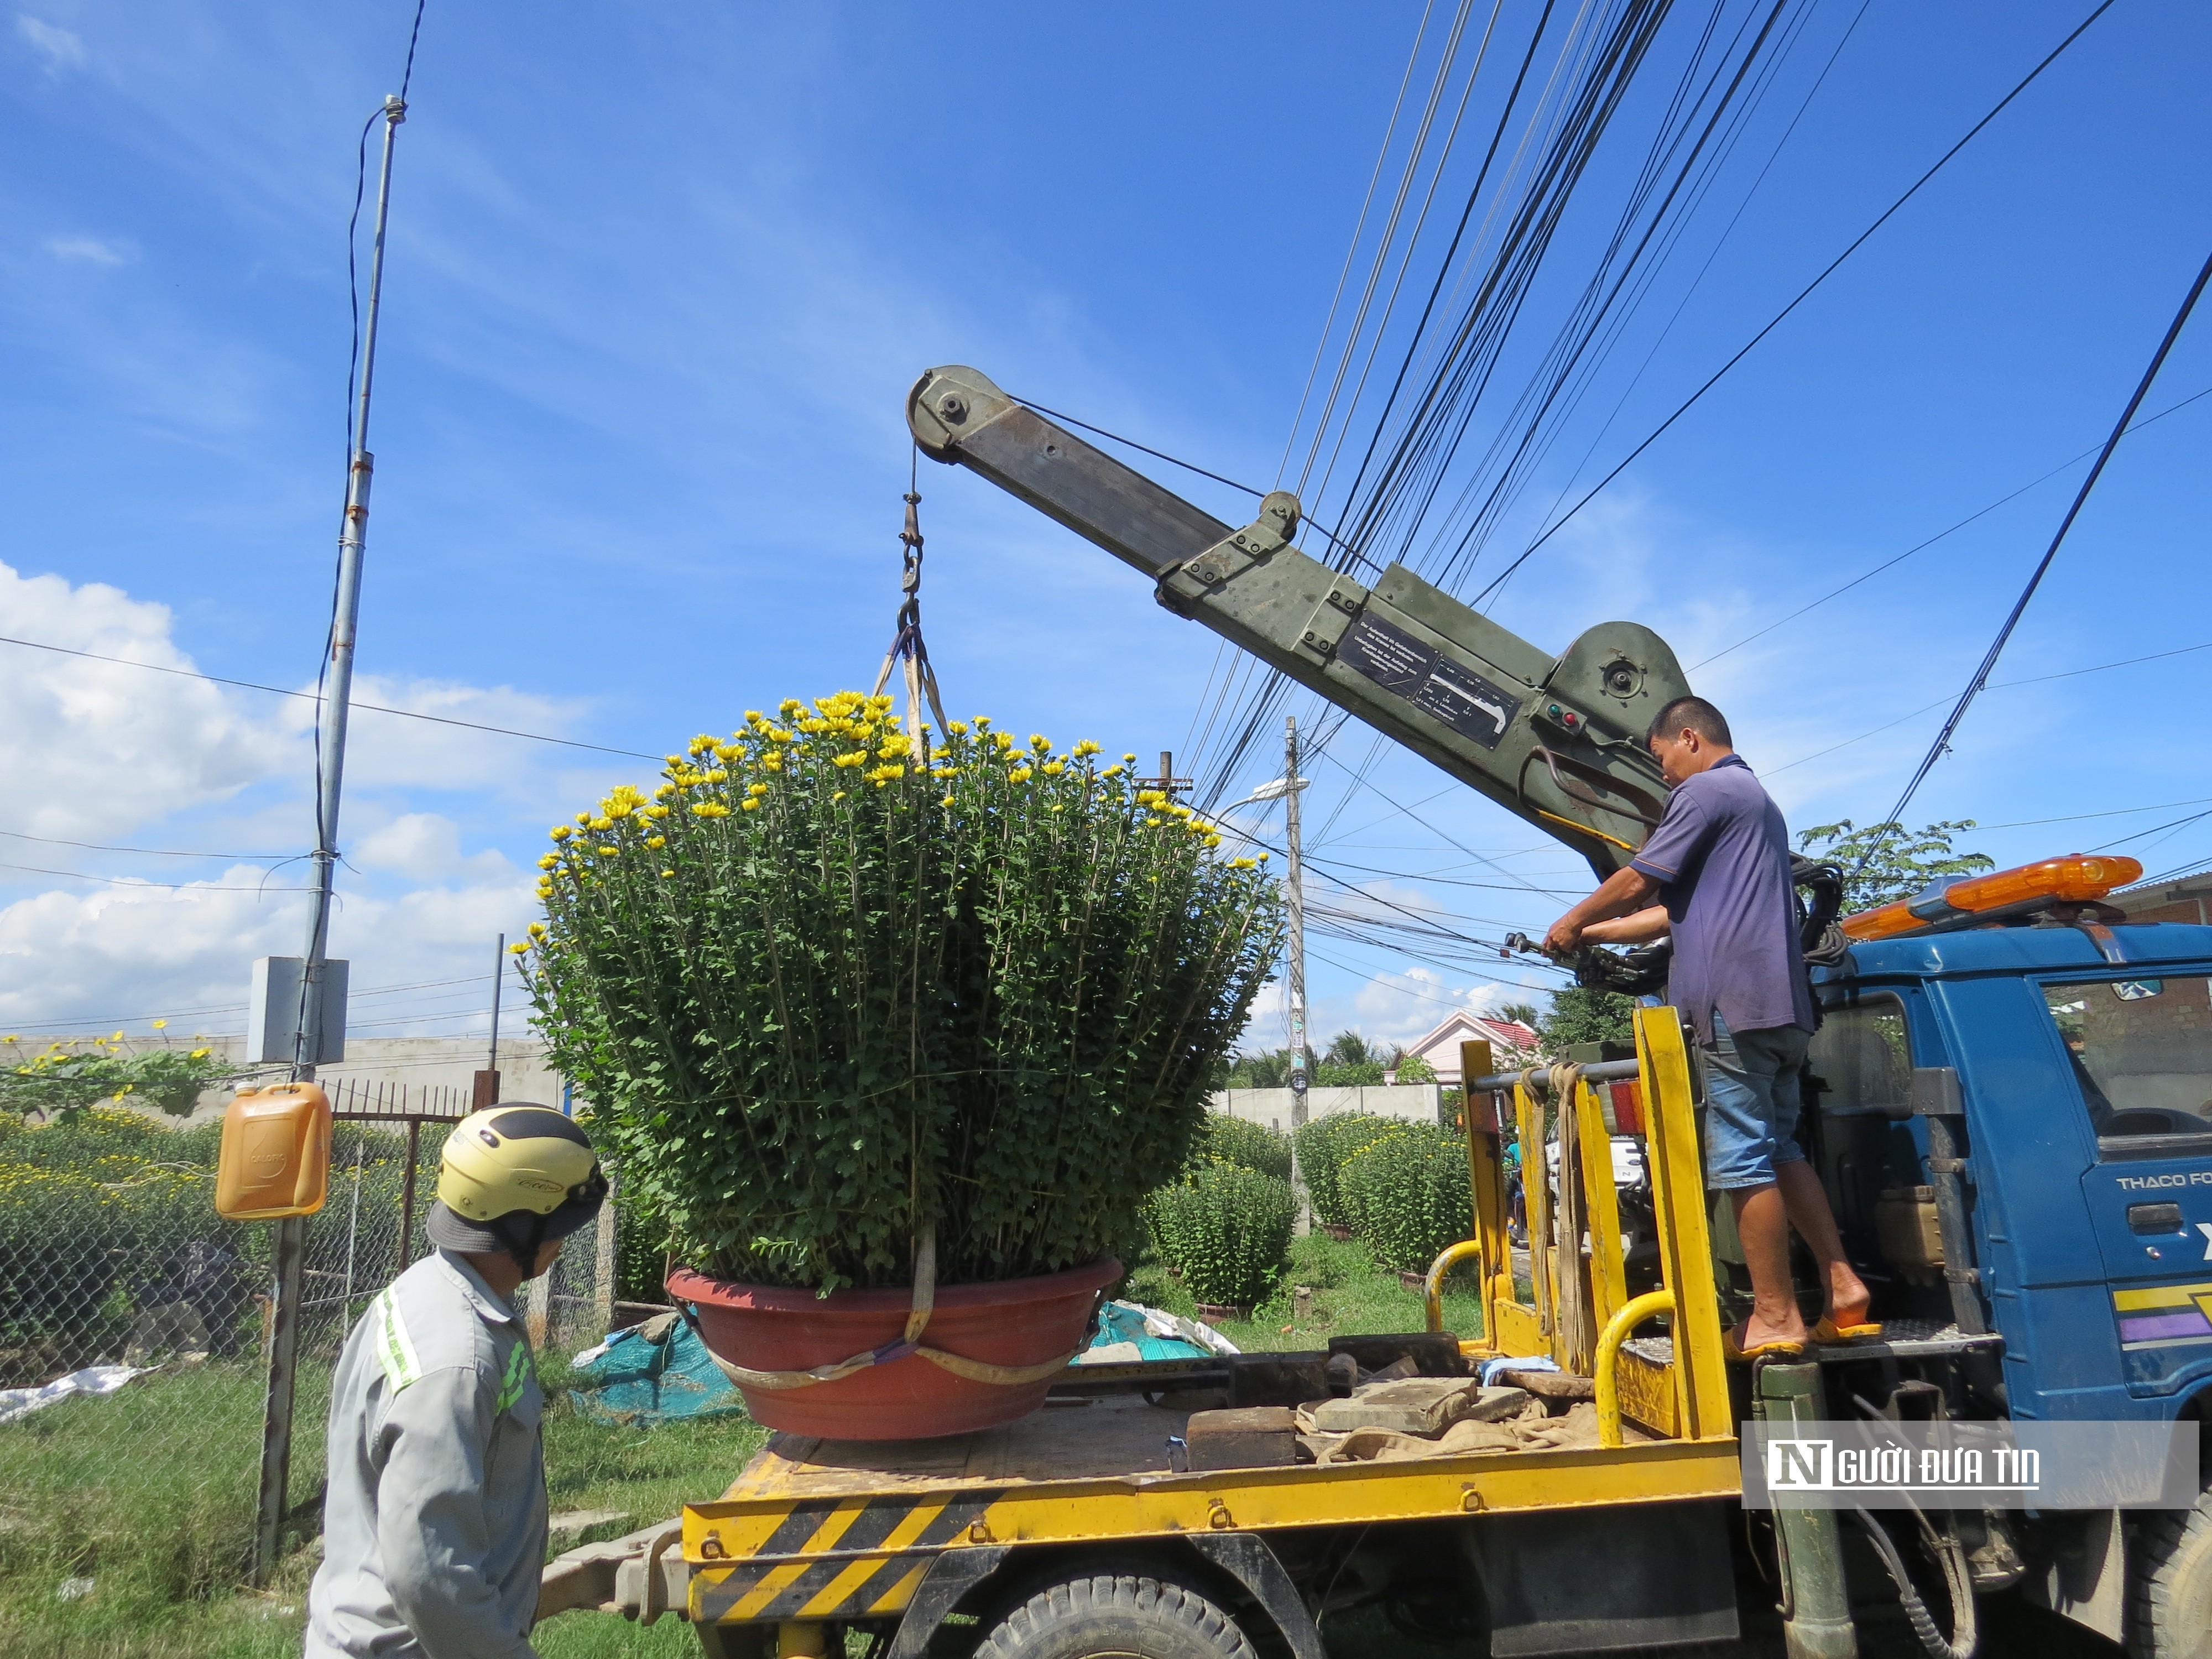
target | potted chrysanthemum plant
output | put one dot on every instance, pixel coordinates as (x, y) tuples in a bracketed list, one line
[(891, 1037)]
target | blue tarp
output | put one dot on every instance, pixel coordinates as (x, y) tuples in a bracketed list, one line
[(651, 1373)]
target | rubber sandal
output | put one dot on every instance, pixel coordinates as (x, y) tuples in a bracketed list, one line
[(1731, 1350), (1828, 1331)]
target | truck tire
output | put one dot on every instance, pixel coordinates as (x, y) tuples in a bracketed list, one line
[(2170, 1583), (1116, 1618)]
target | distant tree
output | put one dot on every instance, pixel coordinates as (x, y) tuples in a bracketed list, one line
[(1885, 862), (1411, 1068), (1521, 1013), (1350, 1049), (1270, 1068), (1581, 1016)]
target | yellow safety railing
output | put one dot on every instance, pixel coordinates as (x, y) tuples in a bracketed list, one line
[(1639, 1309), (1580, 1311)]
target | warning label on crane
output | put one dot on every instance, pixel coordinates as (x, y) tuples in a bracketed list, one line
[(1398, 663)]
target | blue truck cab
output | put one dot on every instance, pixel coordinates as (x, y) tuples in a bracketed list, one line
[(2015, 1126)]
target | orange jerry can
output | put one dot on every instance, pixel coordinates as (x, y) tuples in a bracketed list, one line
[(276, 1155)]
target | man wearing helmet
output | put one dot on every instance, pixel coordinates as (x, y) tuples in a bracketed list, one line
[(434, 1530)]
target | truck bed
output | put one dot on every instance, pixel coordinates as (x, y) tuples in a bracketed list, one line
[(846, 1529)]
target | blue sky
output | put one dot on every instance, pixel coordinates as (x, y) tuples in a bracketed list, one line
[(660, 277)]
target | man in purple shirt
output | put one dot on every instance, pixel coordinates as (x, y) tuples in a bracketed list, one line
[(1718, 865)]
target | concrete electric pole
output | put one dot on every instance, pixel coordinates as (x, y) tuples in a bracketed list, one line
[(314, 979)]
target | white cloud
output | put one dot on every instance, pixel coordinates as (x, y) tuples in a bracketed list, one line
[(93, 748), (425, 846), (61, 49), (89, 250), (1397, 1007), (382, 751), (135, 952)]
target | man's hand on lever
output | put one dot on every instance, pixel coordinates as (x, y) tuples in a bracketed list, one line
[(1626, 897)]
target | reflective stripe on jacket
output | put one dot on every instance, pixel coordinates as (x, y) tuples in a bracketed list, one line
[(434, 1530)]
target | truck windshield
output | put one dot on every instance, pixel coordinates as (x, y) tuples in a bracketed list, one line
[(2141, 1050)]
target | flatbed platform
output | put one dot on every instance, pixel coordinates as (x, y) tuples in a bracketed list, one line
[(815, 1529)]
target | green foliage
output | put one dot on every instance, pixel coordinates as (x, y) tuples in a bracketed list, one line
[(1249, 1146), (825, 992), (1226, 1229), (1578, 1015), (1269, 1068), (1885, 862), (1323, 1144), (1521, 1013), (65, 1078), (1411, 1068), (1407, 1196)]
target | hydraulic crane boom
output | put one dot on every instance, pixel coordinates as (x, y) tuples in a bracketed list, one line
[(1556, 740)]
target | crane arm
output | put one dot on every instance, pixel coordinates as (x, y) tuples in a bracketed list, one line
[(1557, 741)]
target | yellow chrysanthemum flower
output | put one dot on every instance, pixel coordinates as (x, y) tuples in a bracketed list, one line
[(197, 1054), (1128, 760), (607, 852), (517, 949), (751, 804), (656, 843), (667, 874), (160, 1024), (958, 728), (1086, 747), (1039, 742), (538, 930), (982, 721), (547, 862), (601, 823), (710, 809), (656, 812), (947, 801), (1021, 774)]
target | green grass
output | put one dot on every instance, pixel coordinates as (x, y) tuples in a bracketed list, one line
[(1351, 1297), (149, 1493)]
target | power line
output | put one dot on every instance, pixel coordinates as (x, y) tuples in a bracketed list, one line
[(148, 852), (310, 697), (136, 881), (1921, 547), (1803, 295), (2004, 633), (240, 1007), (2000, 685)]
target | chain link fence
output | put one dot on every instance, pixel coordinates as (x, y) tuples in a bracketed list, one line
[(112, 1256)]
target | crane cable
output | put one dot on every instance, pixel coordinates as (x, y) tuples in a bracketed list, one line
[(1936, 749)]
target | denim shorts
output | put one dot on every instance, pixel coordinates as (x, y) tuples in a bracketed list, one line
[(1753, 1103)]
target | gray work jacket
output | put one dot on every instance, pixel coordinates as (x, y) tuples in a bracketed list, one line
[(434, 1531)]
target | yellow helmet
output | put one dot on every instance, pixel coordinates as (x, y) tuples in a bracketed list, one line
[(513, 1176)]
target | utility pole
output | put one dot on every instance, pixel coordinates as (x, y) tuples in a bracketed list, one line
[(498, 983), (484, 1090), (330, 769), (1301, 1064)]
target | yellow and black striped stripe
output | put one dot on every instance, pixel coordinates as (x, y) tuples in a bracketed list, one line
[(832, 1558)]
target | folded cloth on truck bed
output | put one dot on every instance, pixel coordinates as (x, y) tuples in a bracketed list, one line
[(1534, 1431)]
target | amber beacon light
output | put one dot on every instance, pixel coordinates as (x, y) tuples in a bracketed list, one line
[(2078, 879)]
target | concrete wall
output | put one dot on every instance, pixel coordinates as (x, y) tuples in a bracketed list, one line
[(1416, 1102)]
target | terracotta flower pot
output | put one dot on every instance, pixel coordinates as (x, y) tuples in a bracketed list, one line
[(1017, 1322)]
